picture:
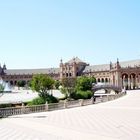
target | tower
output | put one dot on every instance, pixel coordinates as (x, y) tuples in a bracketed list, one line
[(118, 74), (72, 68), (61, 68), (4, 67)]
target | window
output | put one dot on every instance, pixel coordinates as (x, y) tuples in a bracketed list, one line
[(67, 75)]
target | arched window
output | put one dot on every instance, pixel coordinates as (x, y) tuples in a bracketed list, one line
[(15, 82), (11, 83), (102, 80), (106, 80), (67, 75)]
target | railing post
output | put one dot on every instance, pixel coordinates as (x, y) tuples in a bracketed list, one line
[(46, 106), (1, 114), (101, 98), (93, 100), (23, 108), (81, 102), (65, 103)]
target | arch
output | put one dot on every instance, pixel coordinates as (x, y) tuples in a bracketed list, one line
[(125, 75), (125, 80), (99, 80), (106, 88), (67, 74), (106, 80), (15, 83), (103, 80), (133, 80), (11, 83), (77, 74)]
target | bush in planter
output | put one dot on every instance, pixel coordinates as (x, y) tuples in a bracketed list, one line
[(5, 105), (42, 100), (82, 95), (37, 101), (51, 99)]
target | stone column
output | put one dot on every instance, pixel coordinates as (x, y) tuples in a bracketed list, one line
[(81, 101), (46, 106), (65, 103), (129, 83), (136, 85), (132, 82), (23, 108), (124, 84), (138, 81), (121, 82)]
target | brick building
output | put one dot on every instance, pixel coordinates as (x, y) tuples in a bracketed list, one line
[(125, 74)]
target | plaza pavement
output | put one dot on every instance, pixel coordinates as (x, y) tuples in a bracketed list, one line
[(113, 120)]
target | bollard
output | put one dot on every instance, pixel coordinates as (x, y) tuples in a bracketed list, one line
[(46, 106), (92, 100), (23, 108), (65, 103), (81, 102)]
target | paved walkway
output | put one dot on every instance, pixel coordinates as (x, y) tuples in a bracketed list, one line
[(114, 120)]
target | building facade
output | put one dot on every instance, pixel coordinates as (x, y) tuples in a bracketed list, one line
[(122, 74)]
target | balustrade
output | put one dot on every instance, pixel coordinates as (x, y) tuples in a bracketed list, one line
[(4, 112)]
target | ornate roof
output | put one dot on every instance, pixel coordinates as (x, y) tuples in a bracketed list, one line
[(131, 63), (32, 71), (106, 67), (96, 68), (76, 60)]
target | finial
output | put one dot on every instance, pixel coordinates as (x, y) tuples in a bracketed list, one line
[(110, 65), (74, 59), (4, 67), (61, 60)]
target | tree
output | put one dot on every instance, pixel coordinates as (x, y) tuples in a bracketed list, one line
[(42, 84), (21, 83), (57, 84), (68, 86), (29, 84), (84, 83), (83, 88)]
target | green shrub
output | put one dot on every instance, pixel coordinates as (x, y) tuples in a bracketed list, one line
[(40, 100), (37, 101), (5, 105), (51, 99), (82, 95)]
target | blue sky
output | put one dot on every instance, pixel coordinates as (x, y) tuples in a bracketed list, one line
[(38, 33)]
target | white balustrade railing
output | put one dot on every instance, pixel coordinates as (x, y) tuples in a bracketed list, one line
[(4, 112)]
